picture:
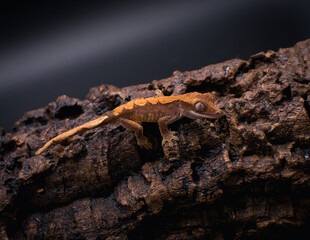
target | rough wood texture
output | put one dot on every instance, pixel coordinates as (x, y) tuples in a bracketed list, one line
[(246, 175)]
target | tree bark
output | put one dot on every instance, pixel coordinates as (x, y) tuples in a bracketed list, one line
[(244, 176)]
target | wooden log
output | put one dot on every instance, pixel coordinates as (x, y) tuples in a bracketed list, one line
[(246, 175)]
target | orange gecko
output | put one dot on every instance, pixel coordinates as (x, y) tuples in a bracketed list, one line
[(161, 109)]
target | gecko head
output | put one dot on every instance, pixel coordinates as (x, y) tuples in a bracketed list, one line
[(201, 105)]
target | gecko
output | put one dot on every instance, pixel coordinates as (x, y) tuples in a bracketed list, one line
[(161, 109)]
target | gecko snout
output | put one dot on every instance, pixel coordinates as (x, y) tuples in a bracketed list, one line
[(219, 113)]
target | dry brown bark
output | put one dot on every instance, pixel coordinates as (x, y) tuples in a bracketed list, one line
[(244, 176)]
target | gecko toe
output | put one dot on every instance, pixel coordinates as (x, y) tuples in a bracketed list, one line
[(170, 139)]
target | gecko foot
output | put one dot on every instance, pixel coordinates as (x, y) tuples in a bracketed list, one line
[(159, 93), (170, 138), (144, 142), (171, 147)]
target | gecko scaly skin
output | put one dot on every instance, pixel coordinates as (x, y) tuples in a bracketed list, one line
[(163, 109)]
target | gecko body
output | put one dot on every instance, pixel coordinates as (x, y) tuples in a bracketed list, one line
[(162, 109)]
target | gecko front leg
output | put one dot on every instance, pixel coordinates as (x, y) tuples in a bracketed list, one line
[(168, 136), (170, 139), (138, 130)]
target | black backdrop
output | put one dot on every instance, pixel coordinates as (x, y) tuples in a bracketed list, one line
[(50, 48)]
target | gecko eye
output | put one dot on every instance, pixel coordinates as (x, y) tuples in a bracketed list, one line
[(199, 107)]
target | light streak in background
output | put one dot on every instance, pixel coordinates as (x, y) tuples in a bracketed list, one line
[(98, 35)]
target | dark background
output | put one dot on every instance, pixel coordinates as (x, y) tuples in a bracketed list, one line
[(50, 48)]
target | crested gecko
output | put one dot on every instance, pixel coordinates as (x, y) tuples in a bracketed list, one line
[(161, 109)]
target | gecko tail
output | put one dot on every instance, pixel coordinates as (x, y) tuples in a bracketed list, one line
[(80, 129)]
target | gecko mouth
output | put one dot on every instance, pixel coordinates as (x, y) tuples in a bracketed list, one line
[(195, 115)]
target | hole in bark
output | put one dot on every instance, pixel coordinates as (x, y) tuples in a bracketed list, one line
[(283, 163), (233, 155), (150, 87), (278, 140), (31, 120), (8, 146), (196, 167), (207, 87), (306, 105), (287, 93), (69, 111), (128, 98)]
